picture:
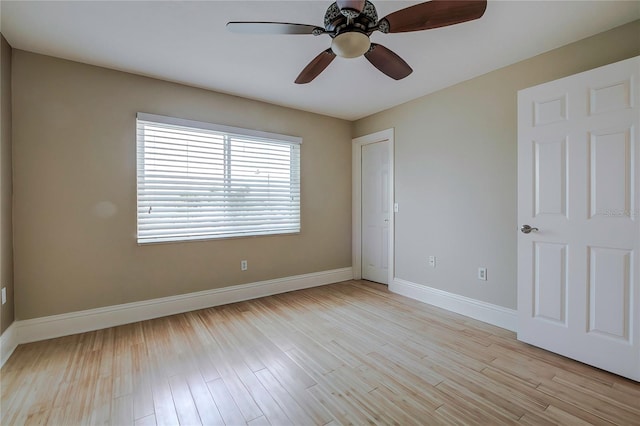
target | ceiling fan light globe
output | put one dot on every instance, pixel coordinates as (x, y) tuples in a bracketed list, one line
[(350, 44)]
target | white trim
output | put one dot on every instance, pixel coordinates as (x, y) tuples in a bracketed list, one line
[(8, 343), (356, 237), (95, 319), (143, 116), (476, 309)]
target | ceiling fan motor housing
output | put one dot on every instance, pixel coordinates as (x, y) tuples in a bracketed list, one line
[(350, 8), (337, 21)]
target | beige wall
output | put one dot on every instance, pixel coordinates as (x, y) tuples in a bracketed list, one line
[(455, 168), (74, 147), (6, 234)]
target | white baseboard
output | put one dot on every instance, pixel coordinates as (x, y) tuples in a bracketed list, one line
[(476, 309), (95, 319), (8, 343)]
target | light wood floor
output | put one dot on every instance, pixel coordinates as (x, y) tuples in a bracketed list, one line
[(348, 353)]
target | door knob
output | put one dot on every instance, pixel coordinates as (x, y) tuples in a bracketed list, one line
[(527, 229)]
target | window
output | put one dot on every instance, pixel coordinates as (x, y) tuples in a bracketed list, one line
[(202, 181)]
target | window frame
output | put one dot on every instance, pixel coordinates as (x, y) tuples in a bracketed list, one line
[(227, 133)]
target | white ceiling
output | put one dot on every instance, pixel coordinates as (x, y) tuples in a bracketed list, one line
[(186, 42)]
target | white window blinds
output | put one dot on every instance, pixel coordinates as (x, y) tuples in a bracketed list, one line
[(201, 181)]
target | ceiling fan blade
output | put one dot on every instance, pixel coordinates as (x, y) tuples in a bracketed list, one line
[(272, 28), (316, 66), (434, 14), (388, 62)]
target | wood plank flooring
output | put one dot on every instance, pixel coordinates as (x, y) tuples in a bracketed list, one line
[(347, 353)]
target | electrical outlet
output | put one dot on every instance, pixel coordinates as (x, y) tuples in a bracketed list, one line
[(4, 295), (244, 265), (482, 274), (432, 261)]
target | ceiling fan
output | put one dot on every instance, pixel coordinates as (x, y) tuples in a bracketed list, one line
[(350, 23)]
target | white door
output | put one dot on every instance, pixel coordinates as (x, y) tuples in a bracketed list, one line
[(578, 184), (376, 214)]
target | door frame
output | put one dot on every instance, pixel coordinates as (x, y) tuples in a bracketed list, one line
[(356, 223)]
